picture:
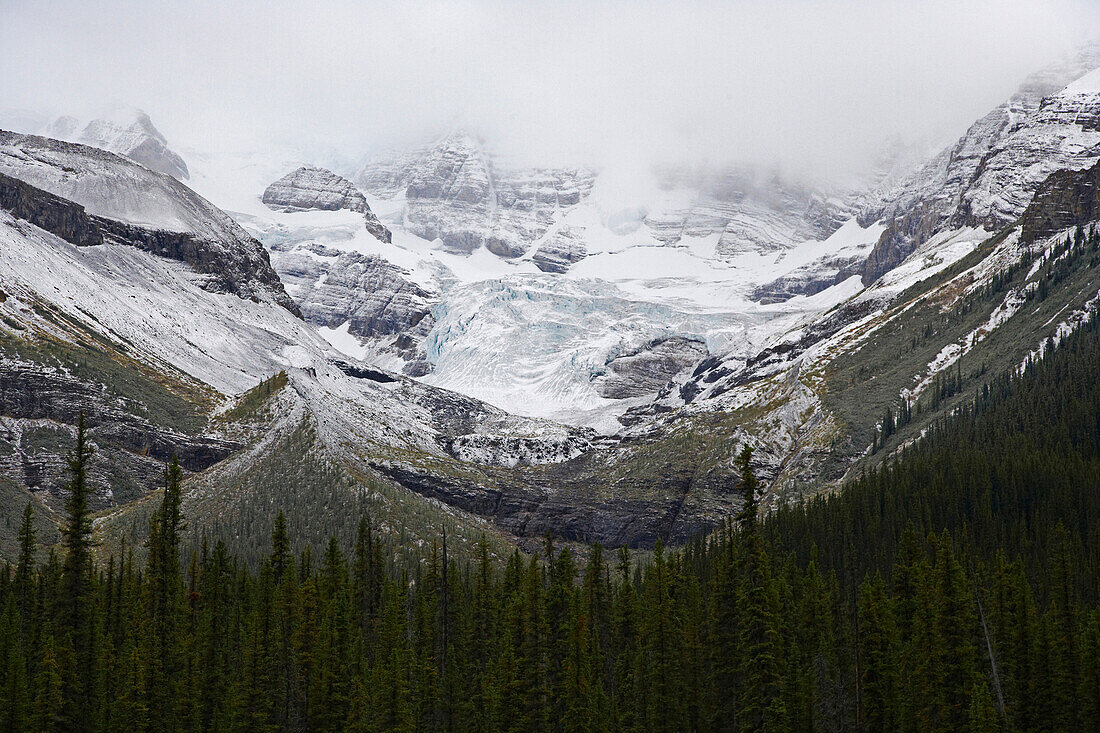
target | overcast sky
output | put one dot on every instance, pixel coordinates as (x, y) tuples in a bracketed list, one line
[(813, 85)]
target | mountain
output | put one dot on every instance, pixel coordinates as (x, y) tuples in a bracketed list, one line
[(126, 131), (153, 211), (458, 192), (988, 177), (964, 304), (455, 192), (163, 358), (532, 288), (528, 351)]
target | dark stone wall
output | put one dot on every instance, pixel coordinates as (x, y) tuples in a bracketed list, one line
[(56, 215), (1065, 199)]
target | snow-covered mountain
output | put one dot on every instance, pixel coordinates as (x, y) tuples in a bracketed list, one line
[(532, 288), (133, 335), (524, 287), (152, 210), (526, 349), (988, 177), (124, 130)]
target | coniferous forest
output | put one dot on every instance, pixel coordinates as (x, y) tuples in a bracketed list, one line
[(954, 588)]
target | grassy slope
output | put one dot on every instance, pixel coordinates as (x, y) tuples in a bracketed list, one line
[(289, 469), (861, 384)]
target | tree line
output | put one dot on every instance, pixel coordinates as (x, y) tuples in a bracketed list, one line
[(954, 588)]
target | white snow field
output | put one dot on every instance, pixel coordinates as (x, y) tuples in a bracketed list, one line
[(531, 342)]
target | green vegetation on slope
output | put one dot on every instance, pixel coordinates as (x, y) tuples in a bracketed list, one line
[(954, 589)]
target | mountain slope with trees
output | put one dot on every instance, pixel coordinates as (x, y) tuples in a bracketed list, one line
[(953, 589)]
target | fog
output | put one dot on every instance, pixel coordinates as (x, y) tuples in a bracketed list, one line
[(816, 87)]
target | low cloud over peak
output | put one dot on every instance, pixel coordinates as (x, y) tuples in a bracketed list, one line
[(816, 87)]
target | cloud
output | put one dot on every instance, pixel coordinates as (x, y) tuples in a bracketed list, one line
[(815, 86)]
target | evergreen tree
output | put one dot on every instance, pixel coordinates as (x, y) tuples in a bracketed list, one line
[(878, 657), (14, 687), (24, 572), (165, 605), (982, 718), (760, 644), (76, 602)]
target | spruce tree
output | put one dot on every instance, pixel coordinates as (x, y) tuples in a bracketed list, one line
[(24, 571), (281, 559), (760, 643), (76, 602), (14, 688), (878, 657), (981, 716), (166, 603), (77, 533)]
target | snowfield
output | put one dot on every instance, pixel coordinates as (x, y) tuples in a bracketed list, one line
[(531, 342)]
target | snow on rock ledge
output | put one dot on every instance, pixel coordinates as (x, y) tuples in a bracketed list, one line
[(510, 451), (130, 204), (310, 188)]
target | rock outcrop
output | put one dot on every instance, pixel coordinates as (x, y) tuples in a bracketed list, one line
[(374, 298), (312, 188), (1065, 199), (112, 199), (750, 211), (989, 176), (455, 192), (39, 407), (563, 249), (646, 370), (56, 215), (809, 279)]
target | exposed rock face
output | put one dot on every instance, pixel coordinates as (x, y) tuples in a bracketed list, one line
[(372, 296), (513, 450), (40, 405), (990, 175), (751, 211), (312, 188), (562, 250), (809, 279), (127, 204), (647, 370), (457, 194), (131, 134), (226, 271), (59, 216), (673, 503), (453, 171), (1065, 199)]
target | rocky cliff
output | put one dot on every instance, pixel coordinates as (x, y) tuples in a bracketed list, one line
[(457, 193), (989, 176), (1066, 199), (87, 196), (311, 188)]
